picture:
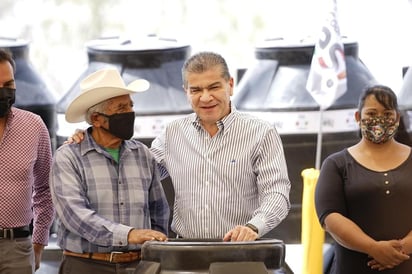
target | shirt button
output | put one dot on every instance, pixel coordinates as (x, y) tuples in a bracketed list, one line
[(388, 192), (386, 182)]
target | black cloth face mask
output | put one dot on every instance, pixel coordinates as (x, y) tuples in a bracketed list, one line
[(121, 125), (7, 98)]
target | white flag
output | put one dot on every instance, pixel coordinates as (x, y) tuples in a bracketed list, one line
[(327, 75)]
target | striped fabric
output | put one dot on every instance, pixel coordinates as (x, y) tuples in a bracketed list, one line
[(235, 177)]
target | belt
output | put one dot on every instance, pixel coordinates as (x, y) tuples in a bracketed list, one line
[(16, 232), (112, 257)]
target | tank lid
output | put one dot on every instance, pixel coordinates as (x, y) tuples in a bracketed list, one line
[(12, 42), (151, 42), (281, 42)]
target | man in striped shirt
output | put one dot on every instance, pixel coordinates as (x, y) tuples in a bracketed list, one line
[(25, 159), (107, 189), (228, 168)]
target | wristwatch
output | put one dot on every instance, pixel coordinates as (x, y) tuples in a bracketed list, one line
[(254, 228)]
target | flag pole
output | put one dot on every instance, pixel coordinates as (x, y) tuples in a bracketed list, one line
[(326, 83), (319, 141)]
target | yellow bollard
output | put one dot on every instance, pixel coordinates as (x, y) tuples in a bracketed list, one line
[(313, 235)]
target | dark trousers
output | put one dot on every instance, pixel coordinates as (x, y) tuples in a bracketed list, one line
[(74, 265)]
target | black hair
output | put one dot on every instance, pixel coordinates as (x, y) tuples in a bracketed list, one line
[(387, 98), (383, 94), (6, 56)]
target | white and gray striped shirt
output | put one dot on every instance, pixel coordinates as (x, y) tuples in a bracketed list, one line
[(238, 176)]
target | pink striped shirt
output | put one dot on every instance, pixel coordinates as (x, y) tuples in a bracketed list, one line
[(25, 160)]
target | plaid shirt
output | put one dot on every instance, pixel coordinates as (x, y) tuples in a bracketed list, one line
[(98, 201)]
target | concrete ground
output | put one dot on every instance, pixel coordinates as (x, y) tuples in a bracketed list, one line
[(50, 259)]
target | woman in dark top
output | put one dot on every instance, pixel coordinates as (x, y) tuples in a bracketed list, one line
[(363, 195)]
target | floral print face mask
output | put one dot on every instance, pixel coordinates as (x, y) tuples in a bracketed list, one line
[(378, 129)]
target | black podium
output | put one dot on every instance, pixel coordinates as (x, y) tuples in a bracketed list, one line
[(213, 256)]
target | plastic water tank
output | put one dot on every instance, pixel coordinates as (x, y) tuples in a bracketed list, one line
[(155, 59), (274, 88)]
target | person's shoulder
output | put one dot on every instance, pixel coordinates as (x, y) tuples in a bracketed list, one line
[(66, 152), (245, 117), (27, 120), (182, 120), (81, 148), (180, 123), (339, 154), (135, 143), (26, 115), (138, 147), (70, 146), (341, 157)]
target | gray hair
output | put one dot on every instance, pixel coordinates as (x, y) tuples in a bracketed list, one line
[(100, 107), (203, 61)]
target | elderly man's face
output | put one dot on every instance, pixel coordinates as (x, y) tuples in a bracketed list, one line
[(117, 118), (119, 104)]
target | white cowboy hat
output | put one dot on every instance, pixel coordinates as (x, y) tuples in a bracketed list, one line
[(98, 87)]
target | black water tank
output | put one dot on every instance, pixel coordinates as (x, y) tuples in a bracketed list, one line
[(32, 94), (155, 59), (274, 88)]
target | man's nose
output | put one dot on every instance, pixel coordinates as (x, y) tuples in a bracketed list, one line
[(205, 95)]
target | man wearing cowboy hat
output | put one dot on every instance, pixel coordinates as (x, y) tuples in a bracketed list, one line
[(107, 207)]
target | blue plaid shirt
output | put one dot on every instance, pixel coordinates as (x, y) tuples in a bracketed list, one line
[(98, 201)]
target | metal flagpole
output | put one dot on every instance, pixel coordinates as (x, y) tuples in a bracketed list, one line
[(326, 83), (319, 141)]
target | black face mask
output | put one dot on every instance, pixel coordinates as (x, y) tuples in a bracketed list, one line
[(121, 125), (7, 98)]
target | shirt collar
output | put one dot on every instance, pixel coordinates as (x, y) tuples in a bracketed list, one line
[(89, 144), (10, 115), (221, 124)]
